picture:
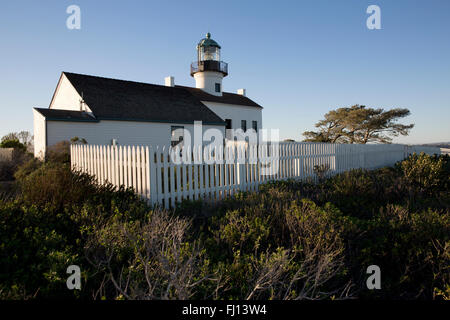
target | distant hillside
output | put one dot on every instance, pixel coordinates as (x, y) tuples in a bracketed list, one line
[(438, 144)]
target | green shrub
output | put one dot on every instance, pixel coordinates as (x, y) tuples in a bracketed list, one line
[(26, 168), (411, 248), (360, 193), (424, 173), (290, 240), (56, 185), (270, 238), (59, 152), (14, 143), (148, 259), (44, 230), (8, 168)]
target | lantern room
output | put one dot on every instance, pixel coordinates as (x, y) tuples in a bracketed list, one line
[(208, 57), (208, 49)]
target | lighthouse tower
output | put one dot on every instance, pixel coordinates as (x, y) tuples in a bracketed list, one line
[(208, 71)]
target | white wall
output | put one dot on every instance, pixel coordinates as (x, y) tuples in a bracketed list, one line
[(39, 134), (207, 80), (126, 132), (236, 113), (66, 97)]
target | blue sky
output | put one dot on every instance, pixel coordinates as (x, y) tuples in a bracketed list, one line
[(299, 59)]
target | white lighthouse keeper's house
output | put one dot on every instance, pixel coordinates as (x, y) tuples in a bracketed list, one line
[(105, 111)]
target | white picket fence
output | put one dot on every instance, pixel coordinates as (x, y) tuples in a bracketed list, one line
[(167, 175)]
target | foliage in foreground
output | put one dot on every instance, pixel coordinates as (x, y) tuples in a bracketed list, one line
[(291, 240)]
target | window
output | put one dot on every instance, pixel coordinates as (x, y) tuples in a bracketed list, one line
[(209, 53), (228, 124), (217, 87), (244, 125), (255, 125), (177, 135), (228, 128)]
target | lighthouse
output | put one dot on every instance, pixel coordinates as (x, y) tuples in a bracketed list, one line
[(136, 113), (208, 71)]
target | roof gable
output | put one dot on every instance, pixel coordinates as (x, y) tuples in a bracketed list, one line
[(66, 97)]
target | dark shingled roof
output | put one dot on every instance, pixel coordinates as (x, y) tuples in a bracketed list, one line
[(66, 115), (227, 97), (111, 99)]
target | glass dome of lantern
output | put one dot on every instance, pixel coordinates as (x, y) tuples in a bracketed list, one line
[(208, 49), (208, 57)]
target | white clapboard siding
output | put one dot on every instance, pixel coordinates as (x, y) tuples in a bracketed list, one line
[(165, 176)]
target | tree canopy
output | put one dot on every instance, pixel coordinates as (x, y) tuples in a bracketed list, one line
[(14, 143), (359, 124), (24, 138)]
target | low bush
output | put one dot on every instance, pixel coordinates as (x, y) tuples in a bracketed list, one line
[(44, 228), (59, 152), (9, 167), (424, 173), (295, 253), (147, 259), (411, 248), (291, 240)]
